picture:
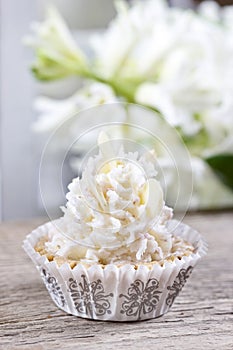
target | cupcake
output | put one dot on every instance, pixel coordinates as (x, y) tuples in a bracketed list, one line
[(115, 254)]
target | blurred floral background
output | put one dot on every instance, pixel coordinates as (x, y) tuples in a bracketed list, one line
[(173, 57)]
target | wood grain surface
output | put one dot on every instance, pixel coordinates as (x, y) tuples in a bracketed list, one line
[(201, 317)]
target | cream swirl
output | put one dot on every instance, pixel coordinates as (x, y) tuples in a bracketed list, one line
[(115, 212)]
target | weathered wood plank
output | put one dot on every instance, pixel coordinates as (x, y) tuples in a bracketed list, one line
[(202, 315)]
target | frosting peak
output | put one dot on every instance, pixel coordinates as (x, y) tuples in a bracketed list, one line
[(115, 212)]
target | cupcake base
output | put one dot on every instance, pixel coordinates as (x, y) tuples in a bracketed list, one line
[(116, 293)]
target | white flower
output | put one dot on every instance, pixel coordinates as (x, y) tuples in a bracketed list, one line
[(209, 10), (206, 192), (175, 61), (53, 113), (159, 96), (212, 11), (125, 49), (179, 62), (57, 53)]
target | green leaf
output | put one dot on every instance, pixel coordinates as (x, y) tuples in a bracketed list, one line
[(222, 164)]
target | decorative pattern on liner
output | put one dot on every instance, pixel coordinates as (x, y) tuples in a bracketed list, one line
[(141, 298), (89, 297), (178, 284), (53, 288)]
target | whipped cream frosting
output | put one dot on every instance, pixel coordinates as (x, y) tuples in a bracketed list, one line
[(115, 212)]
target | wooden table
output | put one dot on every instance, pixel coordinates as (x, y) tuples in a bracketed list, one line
[(201, 317)]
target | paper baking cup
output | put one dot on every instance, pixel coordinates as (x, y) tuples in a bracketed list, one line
[(113, 293)]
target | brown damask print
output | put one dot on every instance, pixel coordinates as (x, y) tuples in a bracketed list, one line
[(89, 297), (178, 284), (141, 298)]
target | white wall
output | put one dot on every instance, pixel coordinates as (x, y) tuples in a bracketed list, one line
[(18, 168)]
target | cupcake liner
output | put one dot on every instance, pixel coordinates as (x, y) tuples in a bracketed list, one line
[(116, 293)]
